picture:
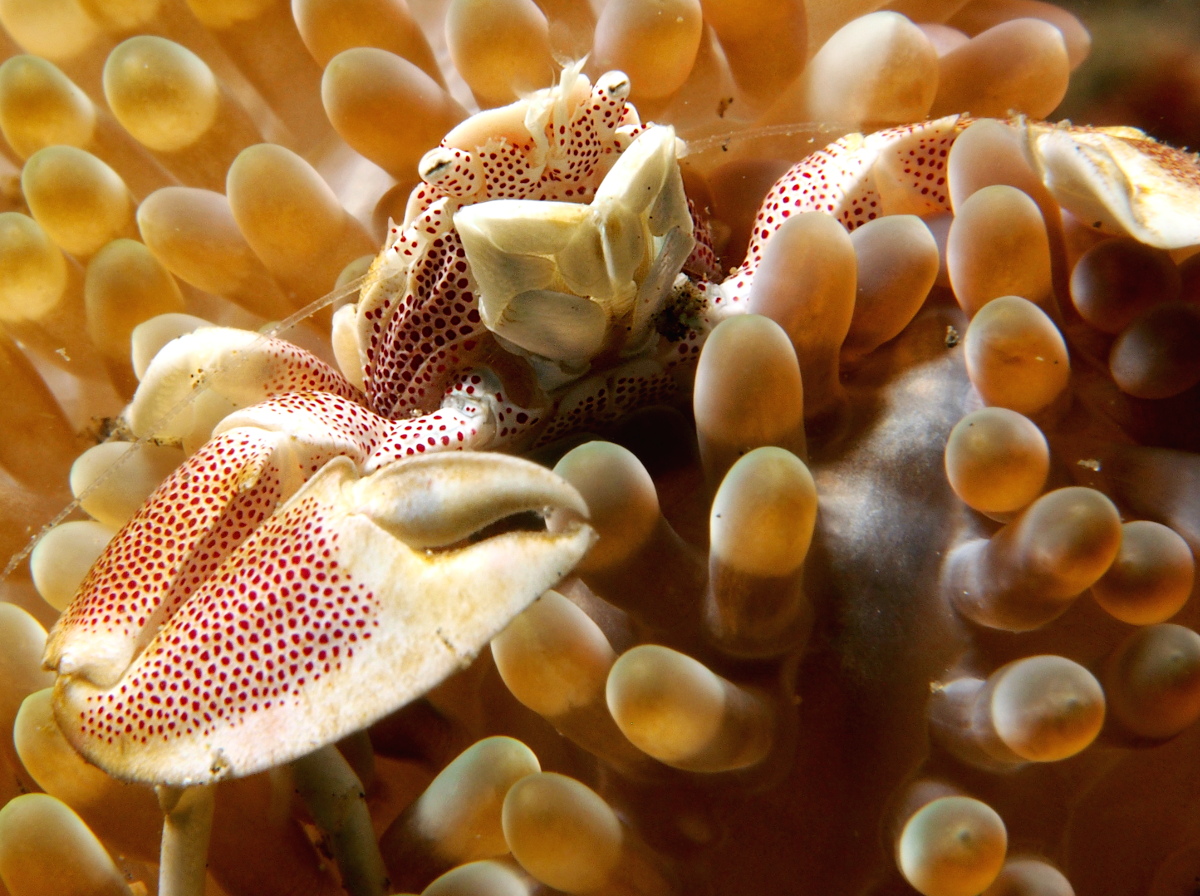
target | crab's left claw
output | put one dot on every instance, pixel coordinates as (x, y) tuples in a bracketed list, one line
[(357, 596), (1120, 181)]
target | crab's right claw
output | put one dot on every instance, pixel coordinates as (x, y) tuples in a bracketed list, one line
[(358, 595)]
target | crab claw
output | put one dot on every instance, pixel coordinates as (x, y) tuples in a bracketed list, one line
[(1120, 181), (357, 596), (193, 521)]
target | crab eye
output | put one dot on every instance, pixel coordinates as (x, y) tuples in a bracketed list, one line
[(614, 85), (454, 172), (434, 164)]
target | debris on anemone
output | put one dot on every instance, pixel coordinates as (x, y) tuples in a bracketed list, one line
[(852, 472)]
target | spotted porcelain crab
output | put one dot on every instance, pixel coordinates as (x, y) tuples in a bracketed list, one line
[(550, 273)]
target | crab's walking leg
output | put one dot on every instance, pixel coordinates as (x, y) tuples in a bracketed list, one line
[(196, 380)]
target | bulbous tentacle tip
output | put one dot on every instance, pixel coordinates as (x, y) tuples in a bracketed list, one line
[(356, 596)]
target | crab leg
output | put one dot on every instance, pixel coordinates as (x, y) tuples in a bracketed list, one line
[(196, 380)]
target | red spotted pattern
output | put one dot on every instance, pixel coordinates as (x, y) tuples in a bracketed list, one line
[(443, 430), (178, 537), (209, 506), (250, 639), (420, 340), (345, 428), (842, 180), (605, 399), (292, 369), (205, 510), (459, 175)]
